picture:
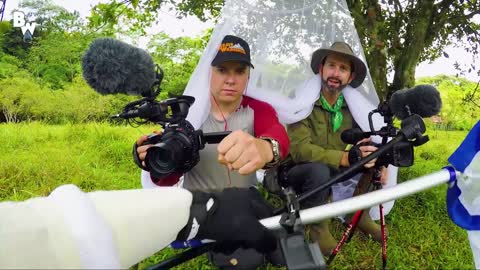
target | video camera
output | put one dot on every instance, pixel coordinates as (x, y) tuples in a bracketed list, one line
[(176, 149), (401, 154), (111, 67)]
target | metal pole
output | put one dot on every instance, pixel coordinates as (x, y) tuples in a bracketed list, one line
[(364, 201)]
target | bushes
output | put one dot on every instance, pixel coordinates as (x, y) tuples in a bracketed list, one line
[(21, 99), (456, 113)]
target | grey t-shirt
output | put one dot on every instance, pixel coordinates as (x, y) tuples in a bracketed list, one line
[(209, 173)]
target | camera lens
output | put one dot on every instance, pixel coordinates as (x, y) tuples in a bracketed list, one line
[(165, 158)]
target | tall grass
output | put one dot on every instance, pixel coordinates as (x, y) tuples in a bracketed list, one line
[(35, 158)]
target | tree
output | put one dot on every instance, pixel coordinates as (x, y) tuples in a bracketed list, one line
[(11, 41), (396, 35), (56, 58), (40, 11), (178, 58)]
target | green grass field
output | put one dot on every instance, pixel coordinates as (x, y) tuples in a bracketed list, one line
[(36, 158)]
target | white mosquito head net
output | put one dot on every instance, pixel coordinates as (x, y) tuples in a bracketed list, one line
[(282, 35)]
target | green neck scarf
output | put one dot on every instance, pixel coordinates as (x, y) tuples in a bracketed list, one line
[(336, 116)]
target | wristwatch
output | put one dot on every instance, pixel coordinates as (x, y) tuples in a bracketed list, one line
[(275, 152)]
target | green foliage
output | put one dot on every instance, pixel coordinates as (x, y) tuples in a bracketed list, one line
[(456, 111), (398, 35), (178, 57), (140, 14), (40, 11), (55, 66), (11, 41), (21, 99), (108, 16), (9, 65)]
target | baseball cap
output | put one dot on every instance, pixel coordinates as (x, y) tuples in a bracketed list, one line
[(232, 48)]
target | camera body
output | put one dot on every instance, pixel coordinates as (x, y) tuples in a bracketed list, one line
[(401, 154), (176, 150)]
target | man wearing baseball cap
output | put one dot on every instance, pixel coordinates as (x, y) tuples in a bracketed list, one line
[(258, 140), (317, 149)]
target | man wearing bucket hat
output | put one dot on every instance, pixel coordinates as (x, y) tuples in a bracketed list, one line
[(317, 150)]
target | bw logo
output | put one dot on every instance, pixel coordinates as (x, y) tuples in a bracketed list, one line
[(27, 28)]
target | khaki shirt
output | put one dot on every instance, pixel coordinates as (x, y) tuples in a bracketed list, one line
[(313, 140)]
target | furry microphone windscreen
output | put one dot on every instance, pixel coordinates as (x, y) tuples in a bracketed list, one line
[(423, 100), (111, 66)]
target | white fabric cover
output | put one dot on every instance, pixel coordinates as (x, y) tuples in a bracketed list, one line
[(98, 230), (468, 184)]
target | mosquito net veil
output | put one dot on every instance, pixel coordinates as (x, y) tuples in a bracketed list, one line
[(282, 35)]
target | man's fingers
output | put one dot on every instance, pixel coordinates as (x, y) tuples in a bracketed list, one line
[(228, 142), (142, 151), (221, 159), (143, 148), (142, 139), (371, 163), (234, 153), (240, 162), (368, 148), (364, 140), (248, 168), (384, 176)]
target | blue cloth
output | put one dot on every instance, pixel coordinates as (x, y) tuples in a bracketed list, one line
[(461, 159)]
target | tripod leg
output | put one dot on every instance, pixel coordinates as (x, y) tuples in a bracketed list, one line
[(350, 229), (384, 238), (354, 223)]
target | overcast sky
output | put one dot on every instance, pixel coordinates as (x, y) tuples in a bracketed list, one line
[(192, 26)]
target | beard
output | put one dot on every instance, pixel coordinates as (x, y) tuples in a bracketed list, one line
[(333, 89)]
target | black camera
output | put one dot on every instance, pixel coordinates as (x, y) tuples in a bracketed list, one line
[(176, 149), (401, 153)]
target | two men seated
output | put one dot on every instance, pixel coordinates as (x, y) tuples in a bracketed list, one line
[(258, 139)]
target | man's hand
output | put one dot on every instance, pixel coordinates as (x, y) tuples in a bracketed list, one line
[(243, 152), (384, 176), (367, 150), (142, 149), (230, 217)]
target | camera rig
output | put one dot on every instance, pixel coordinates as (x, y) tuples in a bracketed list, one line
[(176, 149)]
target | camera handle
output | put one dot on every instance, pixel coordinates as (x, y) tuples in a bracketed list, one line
[(352, 226), (212, 137)]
